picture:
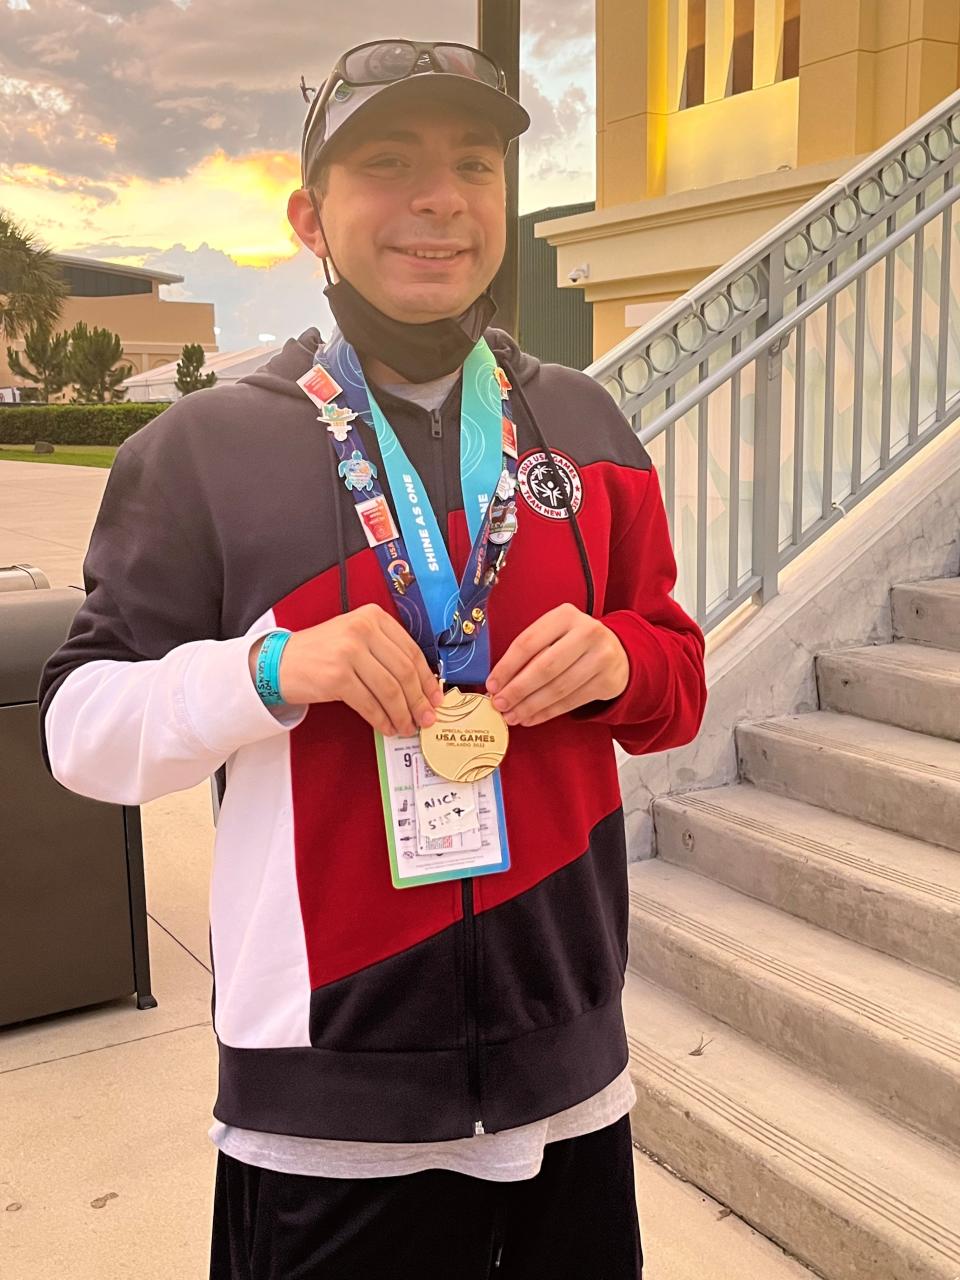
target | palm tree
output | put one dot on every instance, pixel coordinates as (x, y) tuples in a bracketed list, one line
[(32, 289)]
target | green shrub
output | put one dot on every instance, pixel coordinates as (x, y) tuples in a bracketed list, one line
[(75, 423)]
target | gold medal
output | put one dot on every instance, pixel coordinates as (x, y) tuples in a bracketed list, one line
[(467, 740)]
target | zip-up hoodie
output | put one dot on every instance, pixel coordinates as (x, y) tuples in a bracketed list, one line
[(344, 1008)]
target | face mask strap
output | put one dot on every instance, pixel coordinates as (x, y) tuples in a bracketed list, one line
[(325, 260)]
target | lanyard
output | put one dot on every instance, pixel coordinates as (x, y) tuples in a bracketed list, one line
[(446, 618)]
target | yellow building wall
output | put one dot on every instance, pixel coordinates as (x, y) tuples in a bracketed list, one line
[(734, 138), (870, 67), (608, 324), (867, 68), (152, 330)]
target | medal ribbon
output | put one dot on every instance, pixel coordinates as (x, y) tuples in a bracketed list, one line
[(447, 619)]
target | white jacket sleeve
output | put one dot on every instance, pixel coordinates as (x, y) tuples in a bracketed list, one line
[(146, 695), (128, 732)]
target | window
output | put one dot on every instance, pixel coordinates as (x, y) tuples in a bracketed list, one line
[(790, 49), (694, 67), (89, 282), (741, 61)]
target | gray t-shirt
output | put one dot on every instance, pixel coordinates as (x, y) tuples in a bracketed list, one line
[(500, 1157), (428, 395)]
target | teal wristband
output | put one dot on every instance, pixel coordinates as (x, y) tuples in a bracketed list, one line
[(268, 667)]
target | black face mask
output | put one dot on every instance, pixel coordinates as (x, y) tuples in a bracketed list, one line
[(420, 352)]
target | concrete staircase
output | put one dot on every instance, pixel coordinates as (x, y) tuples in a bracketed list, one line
[(793, 996)]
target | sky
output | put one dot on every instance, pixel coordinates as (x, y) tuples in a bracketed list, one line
[(165, 133)]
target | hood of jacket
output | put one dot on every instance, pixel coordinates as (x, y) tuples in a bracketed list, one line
[(295, 357)]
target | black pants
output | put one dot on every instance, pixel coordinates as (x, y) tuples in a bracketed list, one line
[(576, 1220)]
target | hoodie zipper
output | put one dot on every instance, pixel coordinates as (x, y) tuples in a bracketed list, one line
[(466, 893), (470, 1001)]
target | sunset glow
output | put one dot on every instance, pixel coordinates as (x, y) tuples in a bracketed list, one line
[(237, 203), (164, 134)]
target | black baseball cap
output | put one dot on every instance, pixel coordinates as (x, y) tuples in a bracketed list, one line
[(389, 74)]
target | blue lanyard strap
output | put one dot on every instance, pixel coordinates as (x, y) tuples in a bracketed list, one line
[(447, 619)]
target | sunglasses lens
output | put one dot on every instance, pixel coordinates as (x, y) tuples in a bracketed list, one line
[(460, 60), (378, 63)]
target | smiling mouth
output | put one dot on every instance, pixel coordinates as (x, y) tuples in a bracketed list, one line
[(430, 255)]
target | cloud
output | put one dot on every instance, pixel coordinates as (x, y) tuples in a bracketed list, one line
[(76, 188), (553, 121), (557, 153), (558, 30), (147, 93), (161, 78), (113, 250), (284, 299), (127, 126), (558, 88)]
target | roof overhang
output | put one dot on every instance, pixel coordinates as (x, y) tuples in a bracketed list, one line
[(117, 268)]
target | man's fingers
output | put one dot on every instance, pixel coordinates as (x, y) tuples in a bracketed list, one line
[(357, 696), (572, 683), (407, 672), (579, 698), (388, 692), (548, 665), (545, 631), (404, 642)]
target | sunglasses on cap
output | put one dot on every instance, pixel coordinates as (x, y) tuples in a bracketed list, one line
[(385, 61)]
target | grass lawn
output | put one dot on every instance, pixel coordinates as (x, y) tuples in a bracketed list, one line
[(72, 455)]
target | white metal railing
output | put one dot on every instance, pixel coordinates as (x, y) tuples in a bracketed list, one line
[(788, 385)]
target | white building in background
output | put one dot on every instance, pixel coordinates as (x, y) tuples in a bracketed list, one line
[(160, 383)]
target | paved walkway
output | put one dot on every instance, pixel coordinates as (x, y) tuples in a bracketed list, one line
[(46, 513), (106, 1170)]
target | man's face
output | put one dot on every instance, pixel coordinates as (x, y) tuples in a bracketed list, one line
[(412, 184)]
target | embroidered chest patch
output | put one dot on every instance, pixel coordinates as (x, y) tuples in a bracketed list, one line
[(537, 482)]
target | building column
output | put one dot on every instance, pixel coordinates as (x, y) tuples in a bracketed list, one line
[(767, 42), (932, 54), (836, 80), (868, 68), (719, 47), (633, 87), (674, 15)]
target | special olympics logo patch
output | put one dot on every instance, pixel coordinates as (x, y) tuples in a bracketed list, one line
[(538, 484)]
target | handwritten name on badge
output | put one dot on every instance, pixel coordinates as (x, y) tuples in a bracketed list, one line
[(446, 810)]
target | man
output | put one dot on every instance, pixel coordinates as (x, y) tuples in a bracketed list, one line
[(423, 1063)]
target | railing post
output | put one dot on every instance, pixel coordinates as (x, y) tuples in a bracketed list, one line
[(767, 435)]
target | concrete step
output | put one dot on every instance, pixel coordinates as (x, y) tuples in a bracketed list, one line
[(891, 892), (710, 1230), (851, 1194), (882, 774), (916, 686), (882, 1029), (928, 611)]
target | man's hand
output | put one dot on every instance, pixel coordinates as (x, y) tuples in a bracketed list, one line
[(563, 660), (363, 658)]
